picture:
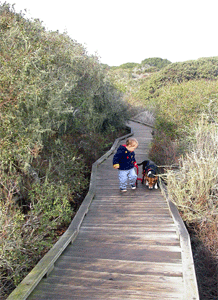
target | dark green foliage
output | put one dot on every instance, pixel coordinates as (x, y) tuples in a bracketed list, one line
[(157, 62)]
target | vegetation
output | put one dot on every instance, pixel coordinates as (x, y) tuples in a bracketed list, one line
[(56, 103), (147, 63), (127, 66), (194, 189), (157, 62), (129, 78)]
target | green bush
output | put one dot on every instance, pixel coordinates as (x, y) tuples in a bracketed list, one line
[(181, 104), (157, 62), (27, 236)]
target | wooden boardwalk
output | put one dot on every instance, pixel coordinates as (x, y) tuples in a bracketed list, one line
[(127, 246)]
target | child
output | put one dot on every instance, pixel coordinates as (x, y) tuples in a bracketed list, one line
[(124, 160)]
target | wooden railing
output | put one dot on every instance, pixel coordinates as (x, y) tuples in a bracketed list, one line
[(189, 276)]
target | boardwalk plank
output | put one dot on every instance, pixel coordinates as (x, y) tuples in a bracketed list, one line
[(106, 279), (152, 238), (113, 281), (120, 252), (121, 229), (120, 266), (63, 292)]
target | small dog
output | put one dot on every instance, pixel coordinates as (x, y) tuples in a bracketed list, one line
[(149, 172)]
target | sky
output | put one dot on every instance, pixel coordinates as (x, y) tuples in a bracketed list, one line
[(121, 31)]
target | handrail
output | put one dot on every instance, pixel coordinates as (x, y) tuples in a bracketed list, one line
[(46, 264), (189, 275)]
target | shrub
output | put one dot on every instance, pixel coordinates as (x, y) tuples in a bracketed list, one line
[(25, 237), (193, 187), (156, 62), (177, 111), (164, 151)]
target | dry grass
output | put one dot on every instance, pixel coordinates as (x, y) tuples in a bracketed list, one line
[(194, 189)]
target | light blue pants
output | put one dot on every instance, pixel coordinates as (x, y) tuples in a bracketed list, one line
[(124, 175)]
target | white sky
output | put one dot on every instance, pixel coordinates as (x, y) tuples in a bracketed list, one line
[(122, 31)]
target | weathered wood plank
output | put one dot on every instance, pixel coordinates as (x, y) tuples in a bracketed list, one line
[(163, 238), (133, 216), (102, 244), (142, 197), (89, 221), (129, 205), (130, 281), (120, 266), (63, 292), (130, 252), (136, 229), (128, 209), (129, 199), (111, 281), (122, 229)]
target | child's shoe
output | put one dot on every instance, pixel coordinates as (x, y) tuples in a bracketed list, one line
[(123, 190), (133, 187)]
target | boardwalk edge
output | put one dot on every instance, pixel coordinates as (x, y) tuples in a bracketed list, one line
[(46, 264), (189, 275)]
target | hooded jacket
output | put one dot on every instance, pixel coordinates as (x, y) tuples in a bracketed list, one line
[(124, 158)]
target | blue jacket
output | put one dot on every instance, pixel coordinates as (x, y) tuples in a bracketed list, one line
[(124, 158)]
